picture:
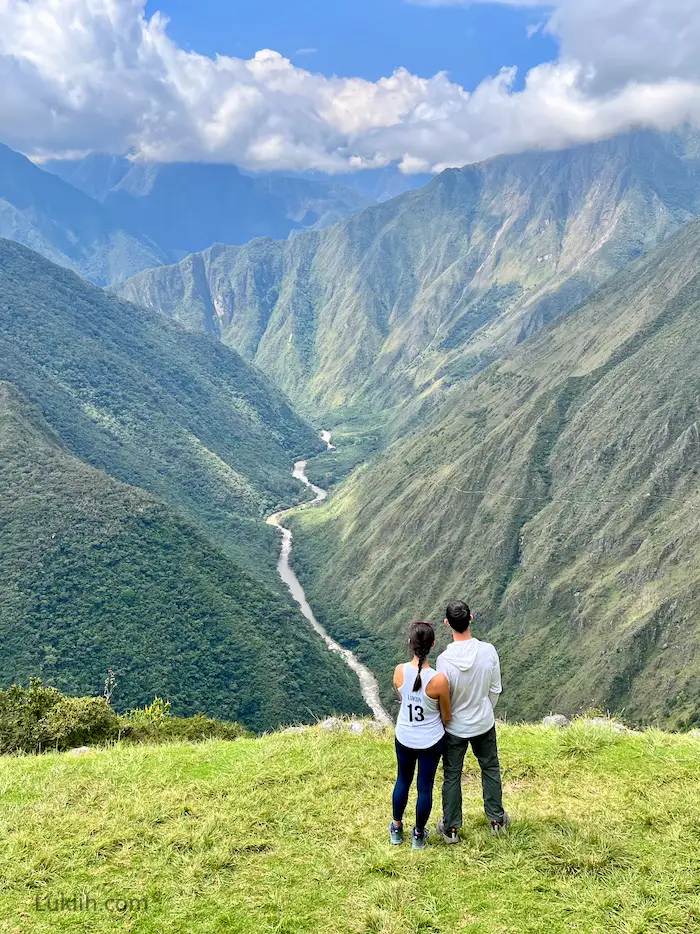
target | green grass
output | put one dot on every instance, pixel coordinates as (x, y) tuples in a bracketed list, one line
[(287, 833)]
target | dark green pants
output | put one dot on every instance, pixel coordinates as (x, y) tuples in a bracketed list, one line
[(485, 748)]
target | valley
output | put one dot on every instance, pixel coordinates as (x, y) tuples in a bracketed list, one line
[(507, 360), (137, 467), (368, 682)]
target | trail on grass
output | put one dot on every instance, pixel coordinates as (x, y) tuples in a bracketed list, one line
[(368, 683)]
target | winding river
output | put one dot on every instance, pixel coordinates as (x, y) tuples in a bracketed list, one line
[(368, 683)]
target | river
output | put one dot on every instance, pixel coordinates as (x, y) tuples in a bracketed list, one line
[(368, 683)]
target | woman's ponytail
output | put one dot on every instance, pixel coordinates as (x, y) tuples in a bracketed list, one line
[(421, 638)]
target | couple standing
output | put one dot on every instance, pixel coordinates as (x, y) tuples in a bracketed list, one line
[(442, 712)]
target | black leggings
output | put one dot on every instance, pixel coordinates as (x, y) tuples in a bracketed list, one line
[(428, 761)]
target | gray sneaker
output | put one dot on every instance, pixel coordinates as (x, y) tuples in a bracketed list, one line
[(395, 834), (500, 827), (448, 834), (419, 839)]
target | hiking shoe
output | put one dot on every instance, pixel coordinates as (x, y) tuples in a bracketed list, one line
[(448, 834), (500, 827), (395, 834), (420, 838)]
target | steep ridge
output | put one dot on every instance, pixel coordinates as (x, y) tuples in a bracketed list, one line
[(559, 492), (172, 412), (413, 294), (185, 207), (65, 225), (95, 574)]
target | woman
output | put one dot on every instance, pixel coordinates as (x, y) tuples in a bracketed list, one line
[(425, 708)]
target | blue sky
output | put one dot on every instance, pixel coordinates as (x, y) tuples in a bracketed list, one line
[(85, 75), (365, 38)]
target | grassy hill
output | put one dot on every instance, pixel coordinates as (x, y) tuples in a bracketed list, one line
[(172, 412), (287, 833), (64, 224), (424, 290), (558, 491), (97, 575)]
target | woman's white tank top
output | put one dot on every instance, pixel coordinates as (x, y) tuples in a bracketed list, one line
[(419, 725)]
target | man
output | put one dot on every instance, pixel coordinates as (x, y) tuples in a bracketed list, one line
[(474, 673)]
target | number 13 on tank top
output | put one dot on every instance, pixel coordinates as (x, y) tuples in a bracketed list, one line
[(416, 711)]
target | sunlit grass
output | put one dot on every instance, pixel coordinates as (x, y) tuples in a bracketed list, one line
[(287, 833)]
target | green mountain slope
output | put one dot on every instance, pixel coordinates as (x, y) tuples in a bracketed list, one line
[(96, 574), (184, 207), (431, 286), (172, 412), (50, 216), (288, 833), (559, 492)]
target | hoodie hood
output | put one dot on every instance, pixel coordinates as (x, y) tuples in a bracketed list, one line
[(462, 654)]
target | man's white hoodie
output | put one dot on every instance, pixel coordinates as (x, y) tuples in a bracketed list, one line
[(474, 672)]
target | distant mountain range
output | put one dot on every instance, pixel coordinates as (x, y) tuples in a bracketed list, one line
[(172, 412), (405, 297), (106, 218), (66, 226), (186, 207)]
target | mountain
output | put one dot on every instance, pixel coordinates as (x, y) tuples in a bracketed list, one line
[(186, 207), (155, 406), (50, 216), (558, 491), (408, 296), (96, 574)]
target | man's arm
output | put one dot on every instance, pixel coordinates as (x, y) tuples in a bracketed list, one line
[(495, 688), (441, 667)]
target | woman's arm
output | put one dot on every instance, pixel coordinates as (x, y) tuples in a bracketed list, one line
[(439, 689), (398, 679)]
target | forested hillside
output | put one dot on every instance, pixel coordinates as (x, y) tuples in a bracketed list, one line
[(172, 412), (558, 491), (430, 287), (96, 574)]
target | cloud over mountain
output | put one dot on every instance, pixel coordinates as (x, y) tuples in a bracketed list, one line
[(99, 74)]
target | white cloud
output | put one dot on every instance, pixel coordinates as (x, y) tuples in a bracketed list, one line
[(618, 41), (97, 74)]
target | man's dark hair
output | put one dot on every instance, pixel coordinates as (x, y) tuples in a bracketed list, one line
[(458, 615)]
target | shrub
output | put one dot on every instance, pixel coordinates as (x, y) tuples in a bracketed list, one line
[(153, 714), (77, 721), (21, 711), (584, 740), (137, 728), (37, 717)]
